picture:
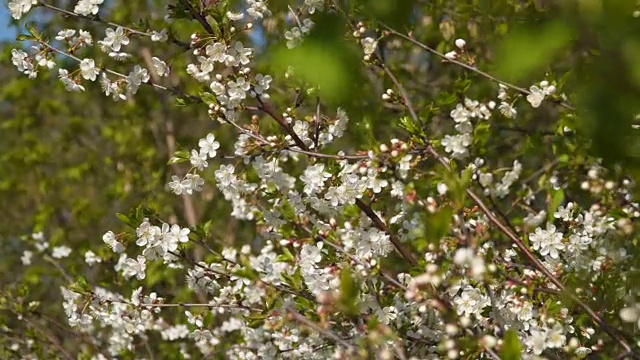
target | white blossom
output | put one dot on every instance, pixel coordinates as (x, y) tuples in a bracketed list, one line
[(19, 8), (60, 252), (88, 69), (160, 36), (115, 39), (547, 242), (87, 7)]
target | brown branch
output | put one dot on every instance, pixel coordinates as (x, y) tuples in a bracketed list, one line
[(615, 334), (268, 109), (337, 247), (198, 16), (383, 227), (534, 260), (404, 252), (212, 271), (264, 141), (97, 19), (186, 305)]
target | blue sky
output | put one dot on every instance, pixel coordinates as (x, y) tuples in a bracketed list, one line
[(5, 31)]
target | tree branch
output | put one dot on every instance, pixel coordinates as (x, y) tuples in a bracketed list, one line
[(466, 66), (197, 16), (615, 334), (404, 252)]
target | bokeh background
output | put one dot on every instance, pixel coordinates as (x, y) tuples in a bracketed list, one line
[(6, 32)]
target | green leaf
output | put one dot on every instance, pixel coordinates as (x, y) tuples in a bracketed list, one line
[(511, 347), (31, 29), (557, 199), (81, 286), (246, 274), (438, 224), (125, 219), (287, 256), (294, 280), (24, 37), (23, 291)]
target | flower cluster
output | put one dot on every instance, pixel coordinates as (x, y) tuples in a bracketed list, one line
[(462, 115)]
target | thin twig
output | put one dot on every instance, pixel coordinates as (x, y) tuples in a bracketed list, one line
[(97, 19), (198, 16), (93, 18), (466, 66), (52, 340), (55, 263), (303, 320), (185, 305), (108, 71)]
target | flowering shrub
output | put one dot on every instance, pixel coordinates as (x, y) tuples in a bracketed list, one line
[(396, 199)]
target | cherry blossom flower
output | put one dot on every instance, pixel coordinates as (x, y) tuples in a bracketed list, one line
[(209, 145), (547, 242), (88, 69), (19, 8), (115, 39), (87, 7), (160, 36)]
